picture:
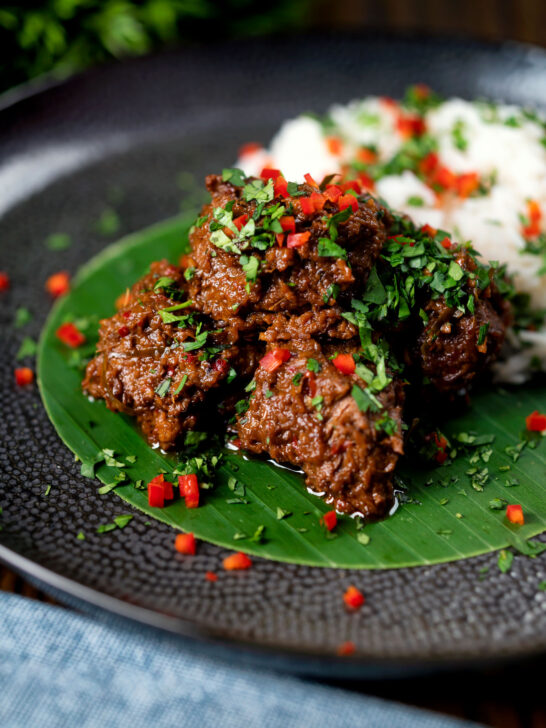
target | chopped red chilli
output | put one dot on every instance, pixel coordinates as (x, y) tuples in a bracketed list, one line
[(274, 358), (24, 376), (4, 281), (70, 335), (184, 543), (536, 422), (296, 240), (346, 649), (329, 520), (353, 598), (237, 562), (58, 284), (344, 363), (189, 488), (514, 513)]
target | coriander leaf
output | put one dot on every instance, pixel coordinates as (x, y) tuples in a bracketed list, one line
[(163, 387), (313, 365), (504, 561), (328, 249), (22, 317), (181, 385), (28, 348), (199, 341), (58, 241), (365, 400), (235, 176)]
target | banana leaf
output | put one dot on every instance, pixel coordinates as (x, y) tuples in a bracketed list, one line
[(447, 513)]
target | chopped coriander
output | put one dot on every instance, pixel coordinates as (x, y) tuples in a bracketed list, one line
[(199, 341), (235, 176), (163, 387), (181, 385), (22, 317), (497, 504), (363, 538), (47, 490), (58, 241), (542, 585), (268, 393), (313, 365), (28, 348), (331, 292), (163, 282), (81, 536), (281, 513), (296, 379), (189, 273), (458, 135), (482, 333), (250, 265), (415, 201), (259, 534), (328, 249), (109, 222), (365, 400), (505, 560), (122, 521), (232, 374)]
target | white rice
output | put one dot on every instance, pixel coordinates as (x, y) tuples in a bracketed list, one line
[(513, 154)]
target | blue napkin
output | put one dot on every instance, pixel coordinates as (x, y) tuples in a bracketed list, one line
[(58, 668)]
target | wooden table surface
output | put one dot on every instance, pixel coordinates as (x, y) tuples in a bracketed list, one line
[(505, 698)]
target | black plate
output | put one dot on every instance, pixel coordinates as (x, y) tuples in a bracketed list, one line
[(120, 136)]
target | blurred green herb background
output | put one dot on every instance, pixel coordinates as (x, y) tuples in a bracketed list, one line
[(64, 36)]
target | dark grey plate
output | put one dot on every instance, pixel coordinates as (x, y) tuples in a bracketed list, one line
[(119, 137)]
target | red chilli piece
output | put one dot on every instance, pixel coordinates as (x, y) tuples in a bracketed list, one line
[(318, 201), (514, 513), (280, 188), (189, 488), (184, 543), (123, 331), (428, 230), (535, 422), (156, 492), (279, 237), (240, 221), (250, 148), (296, 240), (274, 358), (24, 376), (4, 281), (333, 193), (344, 363), (446, 243), (307, 206), (58, 284), (267, 173), (310, 181), (348, 201), (329, 520), (237, 562), (288, 223), (211, 576), (346, 649), (353, 598), (334, 145), (70, 335)]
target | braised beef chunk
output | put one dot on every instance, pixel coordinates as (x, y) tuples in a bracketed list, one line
[(303, 411), (328, 307), (286, 268), (456, 346), (148, 365)]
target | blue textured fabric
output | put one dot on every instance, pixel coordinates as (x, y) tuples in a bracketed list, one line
[(59, 669)]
